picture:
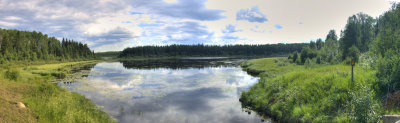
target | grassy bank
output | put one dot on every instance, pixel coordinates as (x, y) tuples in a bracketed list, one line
[(312, 93), (44, 101)]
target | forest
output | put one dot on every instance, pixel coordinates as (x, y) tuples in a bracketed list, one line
[(18, 45), (373, 43), (317, 85), (212, 50)]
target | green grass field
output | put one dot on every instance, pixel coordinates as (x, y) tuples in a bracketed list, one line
[(316, 93), (44, 101)]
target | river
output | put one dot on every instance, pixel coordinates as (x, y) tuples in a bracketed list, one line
[(186, 90)]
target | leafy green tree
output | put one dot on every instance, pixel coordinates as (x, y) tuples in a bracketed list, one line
[(388, 72), (358, 32), (329, 52), (312, 45), (354, 53), (307, 53), (319, 44), (30, 46), (331, 35), (295, 56)]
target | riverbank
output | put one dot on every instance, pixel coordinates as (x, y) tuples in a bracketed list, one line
[(311, 93), (27, 95)]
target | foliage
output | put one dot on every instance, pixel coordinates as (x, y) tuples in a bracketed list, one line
[(32, 46), (317, 94), (388, 31), (329, 53), (46, 101), (282, 61), (325, 93), (386, 47), (263, 66), (362, 106), (332, 35), (12, 74), (211, 50), (111, 54), (307, 53), (367, 60), (388, 73), (319, 44), (295, 56), (353, 53), (358, 32)]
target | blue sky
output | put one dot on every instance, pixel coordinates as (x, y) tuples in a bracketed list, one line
[(111, 25)]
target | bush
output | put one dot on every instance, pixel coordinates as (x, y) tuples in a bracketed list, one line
[(306, 52), (12, 74), (354, 53), (59, 75), (388, 72), (282, 62), (309, 63), (367, 60), (347, 61), (298, 62), (295, 56), (318, 60), (362, 107)]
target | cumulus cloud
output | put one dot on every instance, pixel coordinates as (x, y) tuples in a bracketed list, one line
[(186, 9), (113, 36), (116, 24), (53, 17), (187, 33), (230, 29), (251, 14)]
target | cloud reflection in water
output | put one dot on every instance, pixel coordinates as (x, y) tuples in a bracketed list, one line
[(209, 94)]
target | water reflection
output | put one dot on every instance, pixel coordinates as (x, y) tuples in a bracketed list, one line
[(168, 92), (181, 63)]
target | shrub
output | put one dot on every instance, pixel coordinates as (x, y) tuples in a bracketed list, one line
[(367, 60), (298, 61), (362, 107), (12, 74), (308, 63), (347, 61), (295, 56), (388, 72), (319, 60), (59, 75), (354, 53)]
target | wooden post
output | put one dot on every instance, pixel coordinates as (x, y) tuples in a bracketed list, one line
[(352, 70)]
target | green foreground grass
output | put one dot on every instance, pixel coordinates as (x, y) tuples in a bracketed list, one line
[(44, 101), (312, 93)]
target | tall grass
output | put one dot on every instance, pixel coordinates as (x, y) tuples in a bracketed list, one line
[(317, 94), (46, 101)]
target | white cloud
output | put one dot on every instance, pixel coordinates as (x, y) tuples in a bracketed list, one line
[(160, 22)]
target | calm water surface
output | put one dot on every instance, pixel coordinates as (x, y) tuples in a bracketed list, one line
[(178, 90)]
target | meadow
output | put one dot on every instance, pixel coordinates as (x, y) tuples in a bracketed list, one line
[(44, 100), (313, 93)]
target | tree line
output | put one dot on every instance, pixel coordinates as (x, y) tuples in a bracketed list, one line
[(18, 45), (359, 36), (211, 50), (372, 43)]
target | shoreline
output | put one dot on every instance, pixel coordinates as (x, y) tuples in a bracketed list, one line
[(287, 92), (44, 100)]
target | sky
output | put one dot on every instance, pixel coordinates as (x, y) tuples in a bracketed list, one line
[(112, 25)]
